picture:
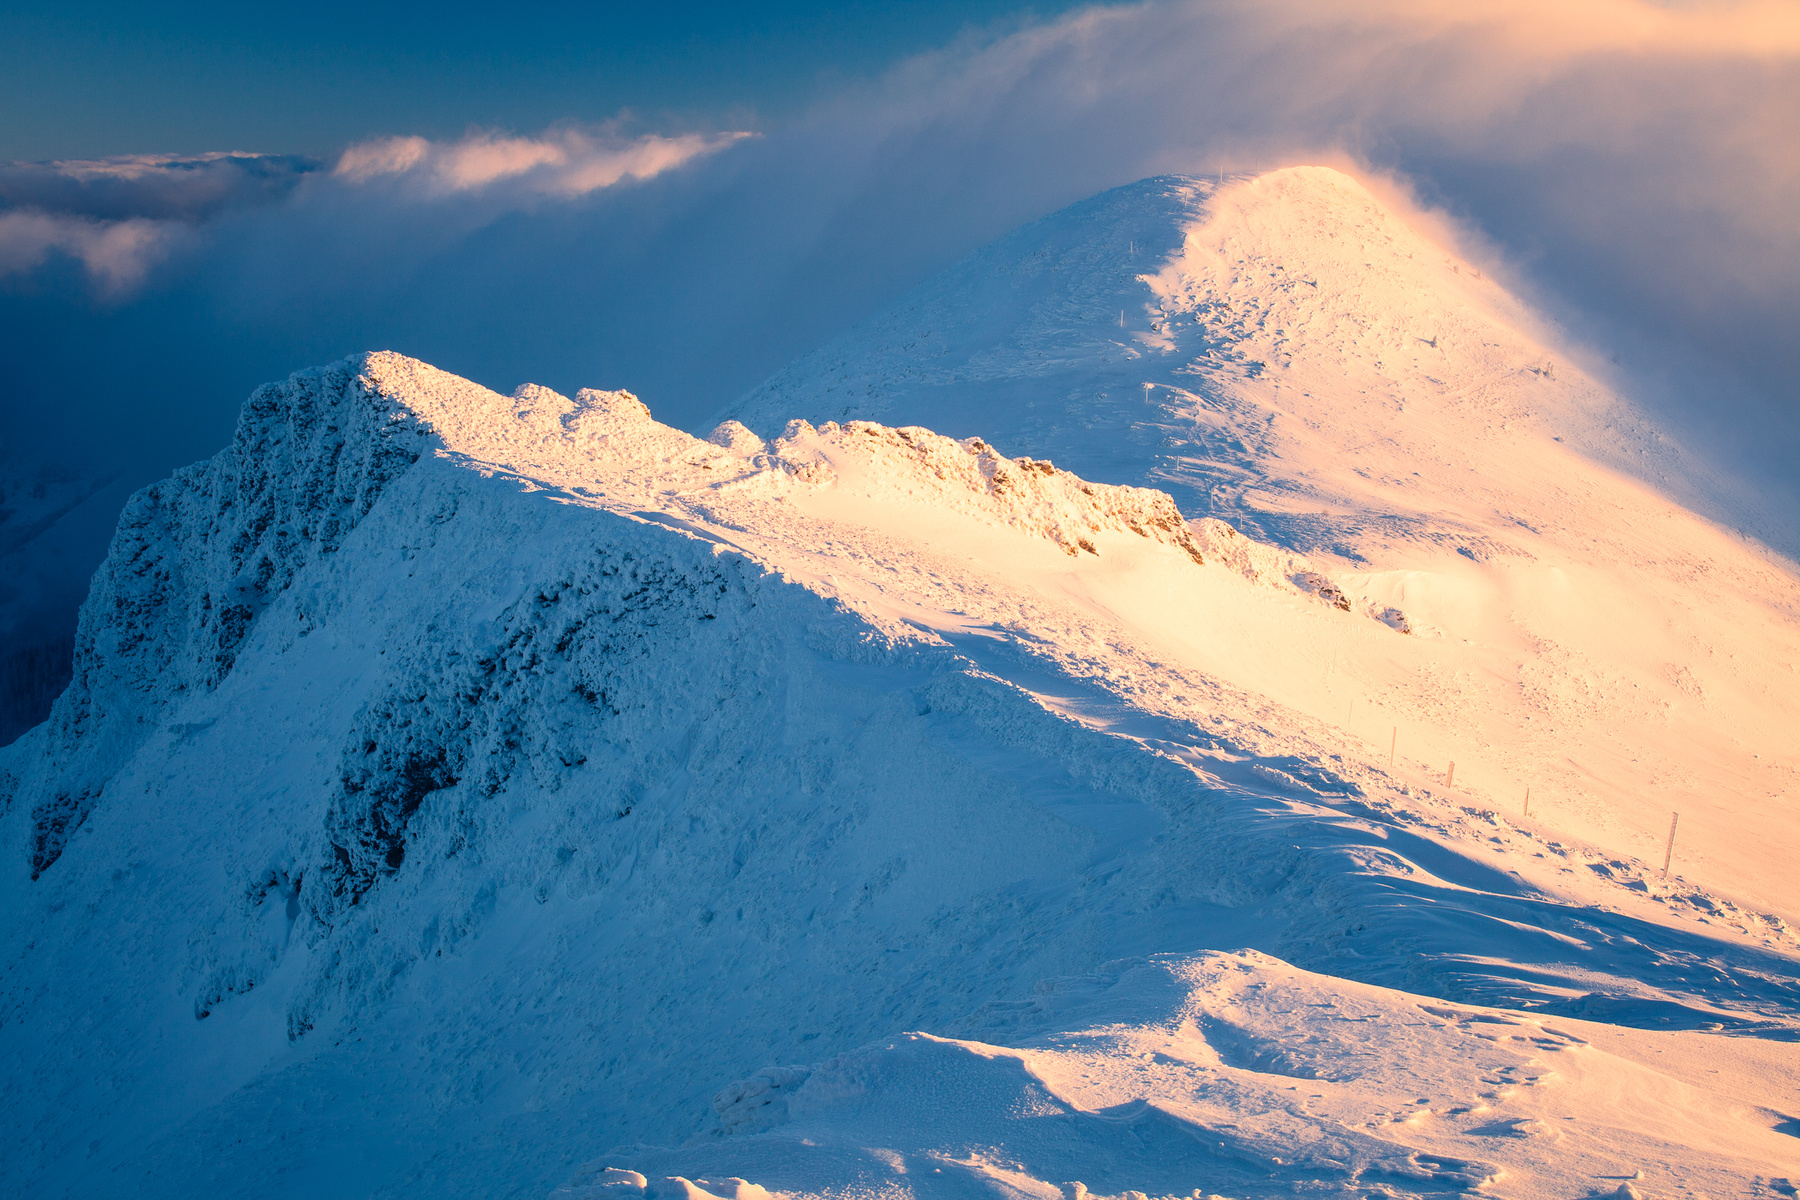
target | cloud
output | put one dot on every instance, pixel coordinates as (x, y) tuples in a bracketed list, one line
[(155, 186), (1547, 29), (119, 216), (565, 162), (116, 254)]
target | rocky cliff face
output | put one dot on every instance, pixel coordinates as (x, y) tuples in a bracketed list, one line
[(196, 559)]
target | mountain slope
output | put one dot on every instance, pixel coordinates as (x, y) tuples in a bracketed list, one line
[(1286, 353), (454, 785), (1190, 1075)]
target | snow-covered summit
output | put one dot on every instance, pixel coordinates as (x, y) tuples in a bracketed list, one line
[(1282, 350)]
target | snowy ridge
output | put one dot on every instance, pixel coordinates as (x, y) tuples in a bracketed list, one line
[(616, 765), (1286, 353), (197, 558), (458, 648), (1243, 343)]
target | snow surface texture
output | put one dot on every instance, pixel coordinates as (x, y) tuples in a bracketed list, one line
[(616, 765)]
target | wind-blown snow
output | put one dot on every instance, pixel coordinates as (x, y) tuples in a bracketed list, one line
[(455, 786)]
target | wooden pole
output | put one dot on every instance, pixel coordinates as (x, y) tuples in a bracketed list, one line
[(1528, 800), (1392, 742), (1450, 776), (1669, 850)]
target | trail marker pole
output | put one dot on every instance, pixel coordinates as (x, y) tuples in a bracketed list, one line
[(1669, 850), (1392, 742), (1450, 776), (1528, 800), (1352, 715)]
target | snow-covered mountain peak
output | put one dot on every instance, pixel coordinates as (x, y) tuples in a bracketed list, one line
[(1282, 351), (1306, 262), (1353, 320)]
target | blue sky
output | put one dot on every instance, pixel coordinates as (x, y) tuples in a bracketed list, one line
[(82, 80)]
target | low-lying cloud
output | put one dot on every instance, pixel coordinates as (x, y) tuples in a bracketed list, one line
[(179, 187), (117, 217), (115, 254), (564, 162)]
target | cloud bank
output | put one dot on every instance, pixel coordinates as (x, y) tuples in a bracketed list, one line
[(566, 162), (117, 217), (1631, 165), (151, 186), (116, 254)]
